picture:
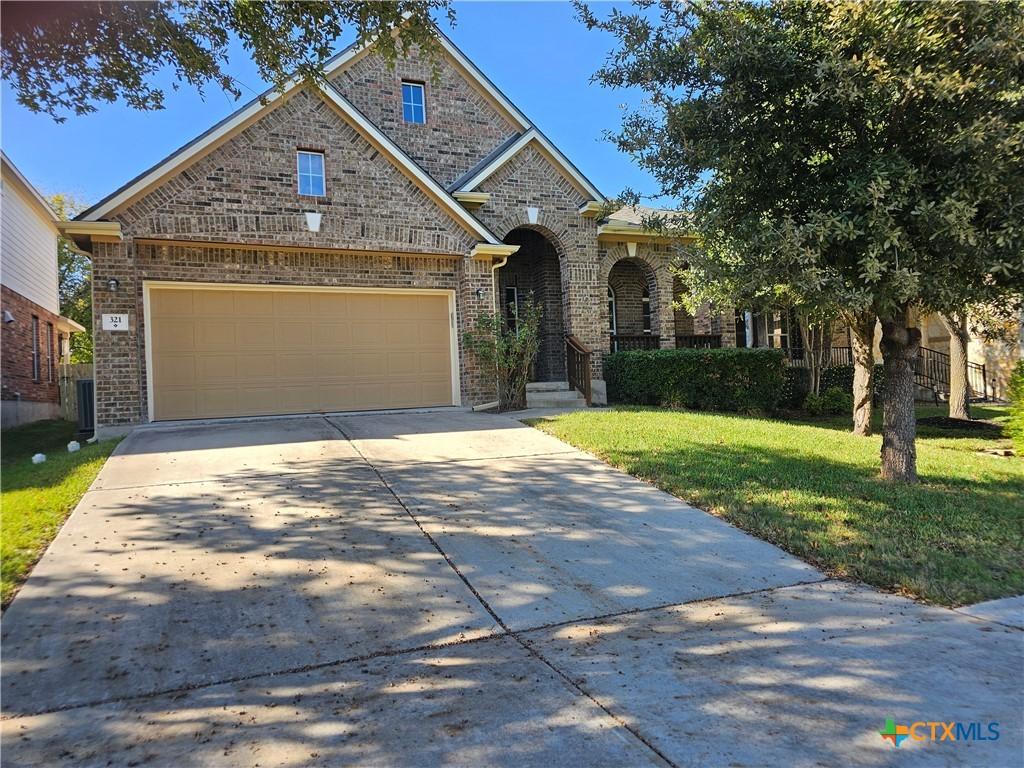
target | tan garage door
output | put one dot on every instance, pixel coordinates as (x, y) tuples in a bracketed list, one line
[(237, 352)]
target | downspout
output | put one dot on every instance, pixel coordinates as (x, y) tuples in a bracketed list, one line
[(494, 296), (494, 280)]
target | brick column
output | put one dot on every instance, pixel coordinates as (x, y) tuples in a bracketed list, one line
[(663, 321), (478, 385), (118, 373), (727, 321)]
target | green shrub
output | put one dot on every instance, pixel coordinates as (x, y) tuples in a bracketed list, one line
[(1016, 426), (838, 377), (796, 385), (834, 402), (703, 379)]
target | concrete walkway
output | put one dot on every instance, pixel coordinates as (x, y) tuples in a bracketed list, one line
[(459, 589), (1008, 611)]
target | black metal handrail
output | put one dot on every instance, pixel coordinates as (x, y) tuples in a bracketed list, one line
[(577, 366), (798, 356), (932, 370), (624, 342), (699, 341)]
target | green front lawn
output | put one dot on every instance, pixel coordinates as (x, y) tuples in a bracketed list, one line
[(35, 499), (813, 489)]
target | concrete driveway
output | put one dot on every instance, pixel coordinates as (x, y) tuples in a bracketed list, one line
[(459, 589)]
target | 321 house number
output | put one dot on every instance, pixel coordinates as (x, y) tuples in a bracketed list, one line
[(115, 322)]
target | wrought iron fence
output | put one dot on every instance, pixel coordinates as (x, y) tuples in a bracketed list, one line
[(625, 342), (699, 341)]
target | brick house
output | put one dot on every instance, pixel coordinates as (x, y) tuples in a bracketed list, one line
[(325, 250), (35, 336)]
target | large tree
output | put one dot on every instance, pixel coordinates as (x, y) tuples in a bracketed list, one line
[(989, 323), (867, 153), (74, 281), (65, 57)]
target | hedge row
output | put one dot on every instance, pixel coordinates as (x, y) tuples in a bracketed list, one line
[(798, 383), (705, 379)]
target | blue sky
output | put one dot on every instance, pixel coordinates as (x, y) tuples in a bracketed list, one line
[(536, 52)]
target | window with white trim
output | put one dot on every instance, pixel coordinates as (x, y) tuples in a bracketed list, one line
[(645, 307), (414, 108), (35, 348), (49, 352), (311, 173)]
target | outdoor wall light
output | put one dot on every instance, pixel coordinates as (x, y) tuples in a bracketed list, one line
[(8, 317), (480, 293), (113, 284)]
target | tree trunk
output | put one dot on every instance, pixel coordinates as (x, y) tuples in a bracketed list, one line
[(900, 348), (862, 342), (812, 334), (959, 389)]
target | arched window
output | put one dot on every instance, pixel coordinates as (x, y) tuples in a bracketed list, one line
[(612, 325), (645, 307)]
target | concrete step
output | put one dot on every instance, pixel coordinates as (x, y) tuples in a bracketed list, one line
[(547, 386), (544, 402), (555, 399)]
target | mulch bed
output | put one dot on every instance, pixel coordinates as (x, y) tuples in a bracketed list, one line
[(944, 422)]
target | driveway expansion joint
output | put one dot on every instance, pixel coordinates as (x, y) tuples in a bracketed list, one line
[(526, 645), (189, 687), (391, 463)]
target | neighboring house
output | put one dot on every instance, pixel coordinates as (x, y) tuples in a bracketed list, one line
[(989, 362), (325, 249), (35, 336)]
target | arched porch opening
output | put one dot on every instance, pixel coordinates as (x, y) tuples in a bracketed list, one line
[(701, 331), (632, 306), (534, 270)]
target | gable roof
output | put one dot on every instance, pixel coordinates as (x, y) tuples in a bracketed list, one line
[(460, 183), (495, 160), (252, 110), (348, 111), (631, 221)]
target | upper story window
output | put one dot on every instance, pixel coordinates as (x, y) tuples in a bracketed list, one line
[(413, 109), (311, 174)]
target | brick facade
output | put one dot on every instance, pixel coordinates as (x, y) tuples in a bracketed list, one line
[(652, 268), (245, 192), (234, 216), (630, 279), (462, 125), (534, 271), (17, 381), (121, 391), (530, 180)]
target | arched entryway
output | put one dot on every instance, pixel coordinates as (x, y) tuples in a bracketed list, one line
[(534, 270), (632, 308)]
